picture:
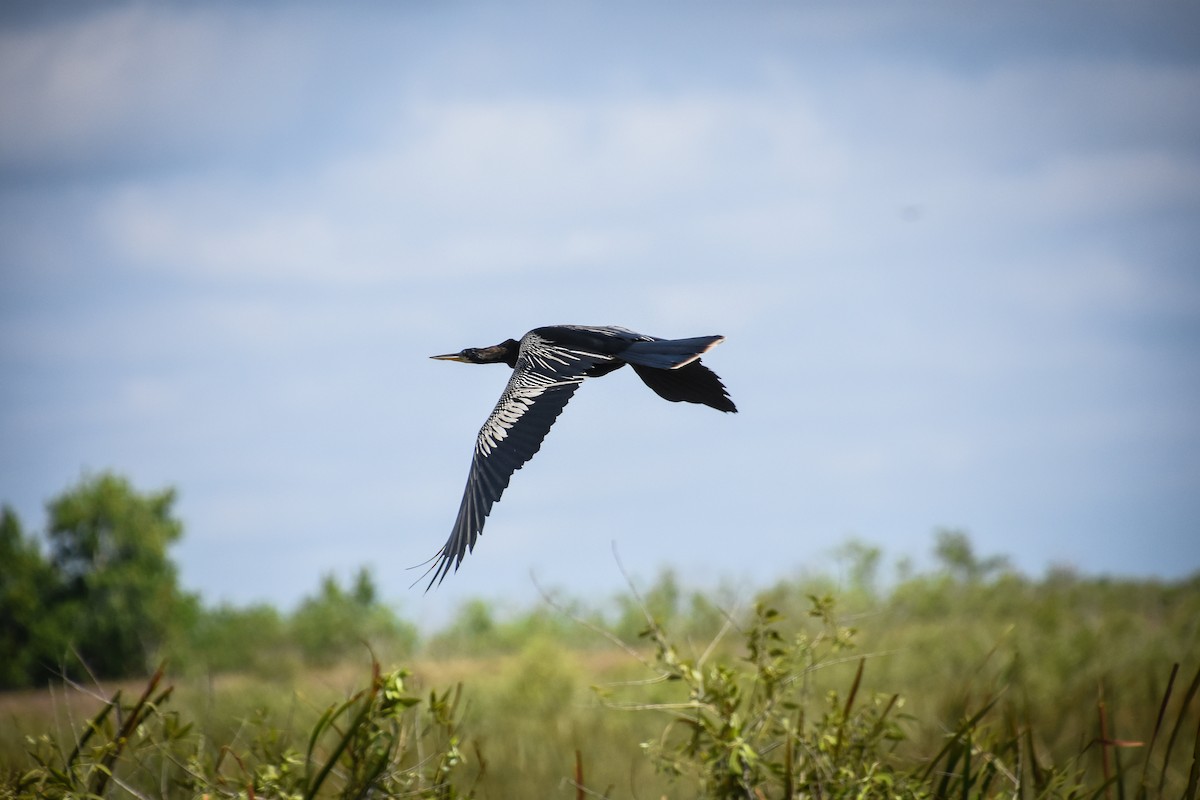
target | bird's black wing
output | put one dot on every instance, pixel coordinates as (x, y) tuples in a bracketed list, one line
[(543, 381)]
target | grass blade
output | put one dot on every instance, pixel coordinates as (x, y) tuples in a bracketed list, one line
[(962, 731), (1187, 702), (1194, 771), (837, 747), (1158, 721)]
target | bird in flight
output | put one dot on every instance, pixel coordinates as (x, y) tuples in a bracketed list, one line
[(548, 365)]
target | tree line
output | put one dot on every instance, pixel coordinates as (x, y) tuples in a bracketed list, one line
[(99, 595), (96, 593)]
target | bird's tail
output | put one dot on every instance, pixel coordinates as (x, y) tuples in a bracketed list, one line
[(669, 353), (694, 383)]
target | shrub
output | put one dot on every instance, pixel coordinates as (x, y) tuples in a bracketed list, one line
[(380, 742)]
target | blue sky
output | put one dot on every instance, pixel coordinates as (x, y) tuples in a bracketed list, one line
[(954, 249)]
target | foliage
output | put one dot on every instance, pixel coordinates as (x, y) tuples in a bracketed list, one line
[(105, 601), (480, 629), (32, 631), (107, 594), (227, 639), (777, 711), (109, 547), (334, 622), (756, 726), (377, 743), (329, 627), (762, 726), (957, 555)]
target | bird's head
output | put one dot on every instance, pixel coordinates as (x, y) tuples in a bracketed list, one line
[(503, 353)]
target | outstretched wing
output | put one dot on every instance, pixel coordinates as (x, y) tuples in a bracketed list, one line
[(543, 381)]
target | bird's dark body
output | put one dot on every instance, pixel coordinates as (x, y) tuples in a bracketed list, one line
[(548, 365)]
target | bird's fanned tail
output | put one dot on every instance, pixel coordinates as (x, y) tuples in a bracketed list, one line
[(694, 383)]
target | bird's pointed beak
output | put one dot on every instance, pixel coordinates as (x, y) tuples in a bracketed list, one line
[(450, 357)]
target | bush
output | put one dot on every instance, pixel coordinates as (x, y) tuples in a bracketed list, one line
[(227, 639), (380, 742), (772, 724), (329, 626)]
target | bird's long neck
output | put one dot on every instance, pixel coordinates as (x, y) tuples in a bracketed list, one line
[(511, 348), (505, 352)]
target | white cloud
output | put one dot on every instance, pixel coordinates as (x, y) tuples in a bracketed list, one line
[(505, 185), (137, 82), (224, 229)]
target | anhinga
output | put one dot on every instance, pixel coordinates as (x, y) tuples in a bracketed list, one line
[(548, 365)]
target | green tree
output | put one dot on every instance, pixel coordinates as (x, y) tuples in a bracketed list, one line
[(228, 638), (32, 634), (660, 602), (329, 626), (957, 554), (861, 563), (108, 546), (473, 632)]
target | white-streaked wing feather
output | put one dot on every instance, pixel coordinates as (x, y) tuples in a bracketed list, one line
[(543, 381)]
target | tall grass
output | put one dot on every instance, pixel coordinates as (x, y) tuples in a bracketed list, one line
[(996, 686), (378, 742)]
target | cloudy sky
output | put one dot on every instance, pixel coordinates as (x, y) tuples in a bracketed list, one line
[(954, 247)]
